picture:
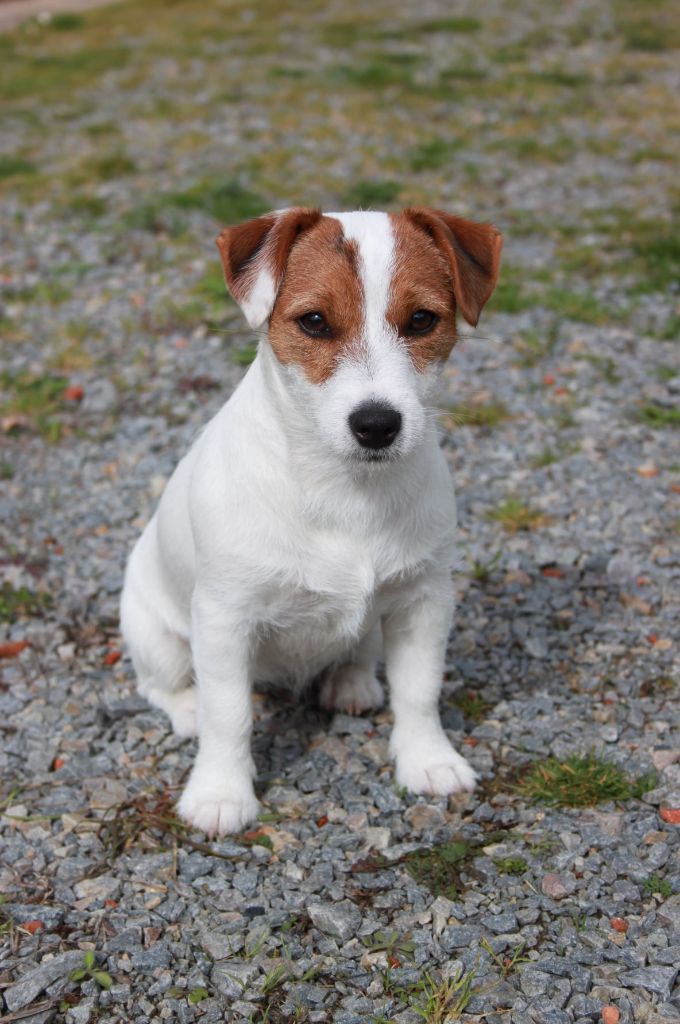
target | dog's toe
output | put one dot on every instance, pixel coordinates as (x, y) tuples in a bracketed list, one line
[(437, 772), (218, 815), (352, 691)]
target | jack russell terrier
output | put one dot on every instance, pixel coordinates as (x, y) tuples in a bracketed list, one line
[(311, 527)]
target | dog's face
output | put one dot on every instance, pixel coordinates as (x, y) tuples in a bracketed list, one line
[(362, 313)]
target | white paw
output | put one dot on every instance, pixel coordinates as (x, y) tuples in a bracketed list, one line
[(437, 770), (351, 690), (217, 812)]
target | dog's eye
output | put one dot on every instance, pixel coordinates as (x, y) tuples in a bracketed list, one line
[(315, 324), (421, 322)]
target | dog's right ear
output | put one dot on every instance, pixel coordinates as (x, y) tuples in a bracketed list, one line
[(254, 256)]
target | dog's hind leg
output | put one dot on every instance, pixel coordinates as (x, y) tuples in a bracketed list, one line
[(353, 687), (162, 661)]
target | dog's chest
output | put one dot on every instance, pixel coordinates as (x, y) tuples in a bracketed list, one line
[(338, 592)]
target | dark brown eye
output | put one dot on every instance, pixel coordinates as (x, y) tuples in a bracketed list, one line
[(314, 323), (421, 322)]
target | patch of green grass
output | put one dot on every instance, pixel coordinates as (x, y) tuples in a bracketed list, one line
[(210, 286), (657, 886), (51, 292), (606, 366), (37, 74), (549, 456), (65, 21), (510, 297), (646, 36), (38, 398), (438, 868), (664, 372), (226, 201), (110, 166), (433, 154), (394, 944), (511, 865), (529, 148), (197, 995), (372, 193), (659, 416), (245, 355), (482, 414), (580, 782), (443, 1001), (474, 707), (379, 73), (455, 25), (6, 471), (558, 76), (481, 571), (85, 205), (656, 247), (576, 306), (514, 514), (21, 603), (14, 166)]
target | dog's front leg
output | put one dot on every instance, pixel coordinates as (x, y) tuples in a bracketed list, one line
[(219, 796), (415, 639)]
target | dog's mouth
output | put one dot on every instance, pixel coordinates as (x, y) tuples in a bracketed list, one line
[(376, 457)]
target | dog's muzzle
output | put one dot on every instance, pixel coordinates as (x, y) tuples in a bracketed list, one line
[(375, 425)]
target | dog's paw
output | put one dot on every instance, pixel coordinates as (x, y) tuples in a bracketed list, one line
[(215, 813), (351, 690), (437, 771)]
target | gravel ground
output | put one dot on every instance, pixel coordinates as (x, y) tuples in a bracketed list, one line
[(122, 149)]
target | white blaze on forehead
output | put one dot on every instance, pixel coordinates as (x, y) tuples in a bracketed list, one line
[(374, 237)]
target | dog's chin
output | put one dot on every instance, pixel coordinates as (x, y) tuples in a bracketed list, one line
[(376, 457)]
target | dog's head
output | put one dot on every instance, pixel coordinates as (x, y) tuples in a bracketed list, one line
[(362, 312)]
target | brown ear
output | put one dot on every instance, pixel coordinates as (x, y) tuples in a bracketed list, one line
[(473, 252), (254, 257)]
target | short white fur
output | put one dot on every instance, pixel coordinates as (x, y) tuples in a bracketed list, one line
[(276, 553)]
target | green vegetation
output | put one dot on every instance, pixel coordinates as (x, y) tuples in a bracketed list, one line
[(372, 193), (514, 514), (438, 868), (12, 166), (474, 707), (89, 972), (37, 400), (581, 782), (481, 414), (511, 865), (433, 154), (659, 416), (21, 603), (657, 886)]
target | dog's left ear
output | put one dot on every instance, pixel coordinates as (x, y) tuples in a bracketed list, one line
[(254, 256), (473, 252)]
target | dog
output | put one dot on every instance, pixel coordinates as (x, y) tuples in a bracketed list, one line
[(311, 527)]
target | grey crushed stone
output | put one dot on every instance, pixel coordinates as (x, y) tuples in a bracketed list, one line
[(551, 654)]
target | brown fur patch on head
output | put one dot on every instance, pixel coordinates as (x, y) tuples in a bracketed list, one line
[(421, 279), (320, 277), (472, 251)]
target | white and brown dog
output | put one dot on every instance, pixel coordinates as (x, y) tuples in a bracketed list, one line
[(312, 524)]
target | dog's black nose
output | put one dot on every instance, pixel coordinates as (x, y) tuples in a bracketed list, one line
[(375, 425)]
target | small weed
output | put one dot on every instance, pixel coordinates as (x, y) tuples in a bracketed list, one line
[(474, 707), (441, 1002), (576, 306), (513, 515), (245, 355), (89, 972), (21, 603), (197, 995), (38, 398), (372, 193), (274, 978), (6, 471), (111, 166), (432, 155), (664, 372), (659, 416), (511, 865), (460, 24), (509, 297), (531, 348), (66, 22), (13, 166), (657, 886), (86, 205), (379, 73), (211, 286), (606, 366), (438, 867), (505, 964), (580, 782), (482, 414), (391, 943), (551, 455), (657, 686), (227, 202), (481, 571)]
